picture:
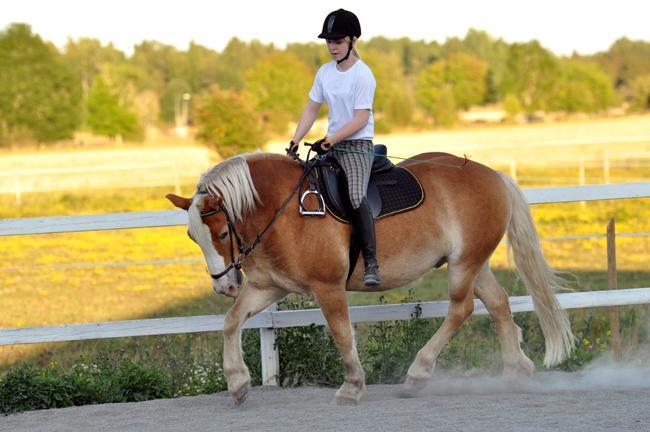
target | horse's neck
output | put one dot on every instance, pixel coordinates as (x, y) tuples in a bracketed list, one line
[(274, 179)]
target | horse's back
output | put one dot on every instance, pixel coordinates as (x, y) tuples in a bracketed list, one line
[(452, 175)]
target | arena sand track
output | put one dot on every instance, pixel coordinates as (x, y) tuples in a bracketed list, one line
[(600, 399)]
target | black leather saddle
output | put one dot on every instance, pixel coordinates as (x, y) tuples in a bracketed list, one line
[(391, 189)]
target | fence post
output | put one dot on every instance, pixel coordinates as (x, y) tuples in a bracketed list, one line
[(17, 190), (177, 181), (269, 353), (513, 169), (613, 284), (581, 178)]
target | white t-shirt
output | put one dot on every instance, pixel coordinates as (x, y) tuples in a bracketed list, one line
[(344, 92)]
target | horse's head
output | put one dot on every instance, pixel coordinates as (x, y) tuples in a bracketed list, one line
[(208, 227)]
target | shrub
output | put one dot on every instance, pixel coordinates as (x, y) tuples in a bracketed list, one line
[(26, 388), (308, 355), (227, 122)]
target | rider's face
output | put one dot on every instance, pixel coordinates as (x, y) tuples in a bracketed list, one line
[(337, 48)]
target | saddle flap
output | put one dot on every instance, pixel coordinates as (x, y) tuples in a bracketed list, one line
[(389, 192)]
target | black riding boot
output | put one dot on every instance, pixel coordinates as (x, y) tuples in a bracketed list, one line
[(364, 228)]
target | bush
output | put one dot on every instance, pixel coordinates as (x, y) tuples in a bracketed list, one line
[(227, 122), (26, 388), (308, 355)]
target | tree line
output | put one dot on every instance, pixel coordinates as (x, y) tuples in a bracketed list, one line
[(251, 90)]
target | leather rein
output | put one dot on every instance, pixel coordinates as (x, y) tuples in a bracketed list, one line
[(244, 249)]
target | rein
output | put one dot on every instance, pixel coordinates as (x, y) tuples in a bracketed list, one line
[(245, 250)]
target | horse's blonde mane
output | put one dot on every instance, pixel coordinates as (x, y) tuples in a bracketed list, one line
[(231, 179)]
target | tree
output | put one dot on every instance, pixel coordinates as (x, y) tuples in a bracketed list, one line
[(312, 54), (39, 94), (624, 61), (512, 106), (237, 58), (106, 116), (227, 121), (640, 90), (88, 58), (414, 55), (278, 86), (393, 104), (582, 87), (491, 51), (202, 68), (531, 75), (460, 78)]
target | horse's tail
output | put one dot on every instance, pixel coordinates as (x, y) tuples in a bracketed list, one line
[(540, 279)]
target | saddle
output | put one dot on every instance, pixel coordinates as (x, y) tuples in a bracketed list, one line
[(391, 189)]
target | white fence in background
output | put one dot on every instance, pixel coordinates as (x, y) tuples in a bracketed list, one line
[(271, 319), (140, 175)]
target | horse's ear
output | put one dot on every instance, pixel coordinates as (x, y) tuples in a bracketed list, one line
[(212, 203), (178, 201)]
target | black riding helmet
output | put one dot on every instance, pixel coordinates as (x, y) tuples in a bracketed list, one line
[(339, 24)]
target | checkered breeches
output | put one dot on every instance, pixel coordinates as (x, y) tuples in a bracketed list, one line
[(355, 157)]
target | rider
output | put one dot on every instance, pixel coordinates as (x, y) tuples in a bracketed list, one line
[(347, 85)]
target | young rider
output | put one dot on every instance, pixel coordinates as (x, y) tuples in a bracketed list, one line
[(347, 85)]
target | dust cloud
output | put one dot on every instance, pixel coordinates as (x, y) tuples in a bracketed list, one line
[(604, 373)]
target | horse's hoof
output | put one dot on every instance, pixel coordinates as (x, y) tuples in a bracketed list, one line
[(241, 393), (524, 368), (412, 387), (345, 401)]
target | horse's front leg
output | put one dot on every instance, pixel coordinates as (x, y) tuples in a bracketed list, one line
[(250, 301), (334, 304)]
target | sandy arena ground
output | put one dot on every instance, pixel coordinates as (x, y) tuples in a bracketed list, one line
[(594, 400)]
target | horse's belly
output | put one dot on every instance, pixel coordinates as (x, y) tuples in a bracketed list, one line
[(397, 268)]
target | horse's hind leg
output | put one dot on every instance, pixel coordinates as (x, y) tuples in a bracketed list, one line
[(461, 306), (334, 304), (250, 301), (495, 299)]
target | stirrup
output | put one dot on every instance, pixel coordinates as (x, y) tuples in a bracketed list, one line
[(321, 204)]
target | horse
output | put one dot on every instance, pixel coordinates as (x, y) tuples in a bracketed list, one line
[(245, 204)]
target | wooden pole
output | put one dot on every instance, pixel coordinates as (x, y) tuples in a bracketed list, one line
[(581, 178), (513, 169), (269, 353), (613, 284)]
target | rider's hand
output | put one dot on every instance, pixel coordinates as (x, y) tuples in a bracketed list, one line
[(292, 150), (321, 146)]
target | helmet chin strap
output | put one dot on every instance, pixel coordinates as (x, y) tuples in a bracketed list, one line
[(347, 55)]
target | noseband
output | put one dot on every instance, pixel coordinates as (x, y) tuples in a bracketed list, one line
[(244, 250)]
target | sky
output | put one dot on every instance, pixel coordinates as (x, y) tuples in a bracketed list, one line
[(563, 26)]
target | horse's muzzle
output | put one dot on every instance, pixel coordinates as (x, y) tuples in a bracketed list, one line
[(229, 285)]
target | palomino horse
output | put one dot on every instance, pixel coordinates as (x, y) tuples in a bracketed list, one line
[(462, 220)]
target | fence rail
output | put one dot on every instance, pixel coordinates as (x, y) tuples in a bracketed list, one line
[(270, 319), (163, 218)]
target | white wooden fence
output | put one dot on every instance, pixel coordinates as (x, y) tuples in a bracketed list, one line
[(271, 319)]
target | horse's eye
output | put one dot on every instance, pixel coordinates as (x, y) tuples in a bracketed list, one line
[(223, 236)]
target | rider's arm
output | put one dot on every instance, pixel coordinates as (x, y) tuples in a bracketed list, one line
[(306, 121), (360, 119)]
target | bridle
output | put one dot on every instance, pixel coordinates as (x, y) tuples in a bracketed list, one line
[(244, 249)]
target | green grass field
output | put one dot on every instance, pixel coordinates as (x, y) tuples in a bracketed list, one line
[(55, 279)]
